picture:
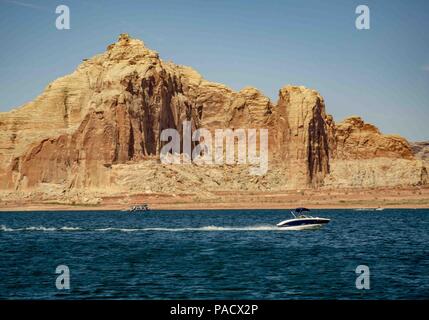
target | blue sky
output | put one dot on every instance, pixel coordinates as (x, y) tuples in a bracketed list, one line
[(381, 74)]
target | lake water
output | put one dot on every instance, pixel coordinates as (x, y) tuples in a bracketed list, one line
[(213, 254)]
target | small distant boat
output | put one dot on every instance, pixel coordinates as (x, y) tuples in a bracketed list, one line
[(301, 221), (379, 209), (139, 208)]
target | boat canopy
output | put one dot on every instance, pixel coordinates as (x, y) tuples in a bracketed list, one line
[(299, 210)]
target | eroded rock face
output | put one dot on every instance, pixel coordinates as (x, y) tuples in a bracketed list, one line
[(356, 139), (109, 113), (128, 98), (361, 156), (303, 135), (376, 172)]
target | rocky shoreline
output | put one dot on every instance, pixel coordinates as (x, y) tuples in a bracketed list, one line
[(317, 199)]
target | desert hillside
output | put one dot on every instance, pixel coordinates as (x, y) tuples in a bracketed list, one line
[(95, 134)]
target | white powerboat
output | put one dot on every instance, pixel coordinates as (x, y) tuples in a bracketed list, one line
[(301, 221)]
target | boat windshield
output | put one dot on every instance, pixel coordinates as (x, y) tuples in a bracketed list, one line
[(298, 212)]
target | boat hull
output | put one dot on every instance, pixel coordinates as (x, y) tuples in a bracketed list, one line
[(303, 223)]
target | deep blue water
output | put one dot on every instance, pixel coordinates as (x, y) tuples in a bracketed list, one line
[(229, 254)]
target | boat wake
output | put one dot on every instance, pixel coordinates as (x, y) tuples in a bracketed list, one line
[(4, 228), (205, 228), (39, 228)]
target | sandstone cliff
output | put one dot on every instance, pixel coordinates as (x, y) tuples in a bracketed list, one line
[(363, 157), (98, 129), (356, 139), (303, 133)]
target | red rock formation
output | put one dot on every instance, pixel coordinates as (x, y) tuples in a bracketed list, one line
[(356, 139), (303, 135), (111, 110)]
